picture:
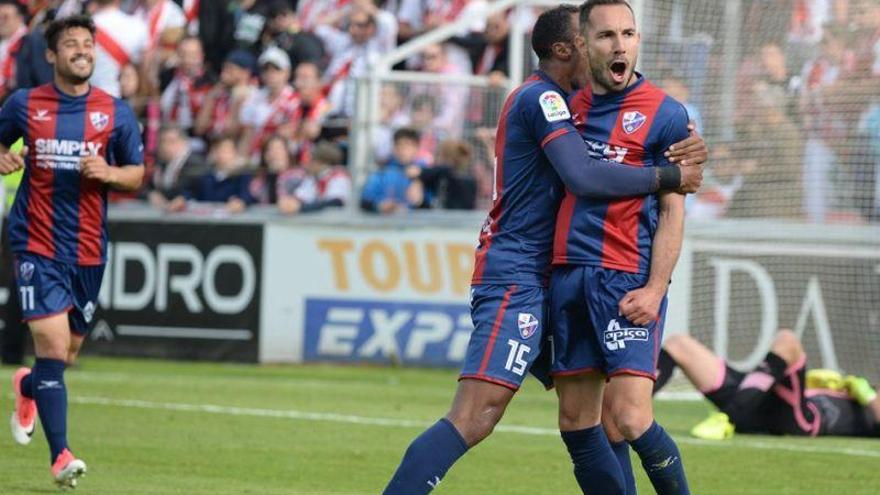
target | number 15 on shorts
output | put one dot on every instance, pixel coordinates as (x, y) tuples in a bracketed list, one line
[(516, 357)]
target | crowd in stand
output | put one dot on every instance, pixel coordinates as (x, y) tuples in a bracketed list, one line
[(247, 102), (806, 119)]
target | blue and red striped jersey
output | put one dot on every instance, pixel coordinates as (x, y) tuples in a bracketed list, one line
[(517, 237), (635, 127), (58, 213)]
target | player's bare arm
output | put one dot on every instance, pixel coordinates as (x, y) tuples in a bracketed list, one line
[(11, 162), (122, 178), (641, 306)]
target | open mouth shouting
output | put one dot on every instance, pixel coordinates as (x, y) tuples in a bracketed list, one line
[(618, 69)]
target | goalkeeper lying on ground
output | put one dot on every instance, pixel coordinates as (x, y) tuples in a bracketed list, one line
[(778, 397)]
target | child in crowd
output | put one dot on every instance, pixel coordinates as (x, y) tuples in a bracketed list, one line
[(388, 189), (226, 182)]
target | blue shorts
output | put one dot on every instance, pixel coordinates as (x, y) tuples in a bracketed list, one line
[(589, 334), (508, 334), (47, 287)]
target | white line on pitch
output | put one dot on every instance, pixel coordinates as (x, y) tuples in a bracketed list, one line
[(408, 423), (184, 332)]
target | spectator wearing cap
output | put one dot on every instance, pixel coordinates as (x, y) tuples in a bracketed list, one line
[(120, 39), (387, 189), (223, 103), (285, 31), (188, 84), (327, 184), (371, 33), (13, 31), (270, 109)]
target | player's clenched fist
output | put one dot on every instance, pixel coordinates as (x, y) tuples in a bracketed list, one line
[(95, 167), (691, 179), (641, 306), (12, 162)]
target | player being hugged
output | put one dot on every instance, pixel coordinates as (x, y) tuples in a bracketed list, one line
[(78, 142), (613, 261), (539, 155)]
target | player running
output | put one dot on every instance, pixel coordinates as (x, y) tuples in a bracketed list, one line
[(612, 265), (779, 396), (536, 146), (57, 226)]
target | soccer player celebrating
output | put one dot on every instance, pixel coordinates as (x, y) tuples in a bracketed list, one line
[(538, 154), (612, 265), (73, 132), (779, 396)]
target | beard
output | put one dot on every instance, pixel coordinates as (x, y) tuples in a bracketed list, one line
[(601, 75), (69, 74)]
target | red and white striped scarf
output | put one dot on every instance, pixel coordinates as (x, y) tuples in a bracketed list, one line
[(282, 108)]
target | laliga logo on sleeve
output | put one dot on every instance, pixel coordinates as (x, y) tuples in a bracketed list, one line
[(99, 120), (528, 325), (553, 106), (633, 121)]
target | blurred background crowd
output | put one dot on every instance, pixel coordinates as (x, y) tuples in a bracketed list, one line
[(251, 102)]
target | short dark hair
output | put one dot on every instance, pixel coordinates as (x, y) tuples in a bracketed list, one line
[(225, 137), (553, 26), (424, 100), (174, 128), (406, 133), (588, 6), (328, 153), (56, 28)]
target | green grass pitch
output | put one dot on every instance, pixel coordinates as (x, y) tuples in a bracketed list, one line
[(156, 427)]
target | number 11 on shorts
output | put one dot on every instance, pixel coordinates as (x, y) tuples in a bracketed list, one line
[(27, 297), (515, 358)]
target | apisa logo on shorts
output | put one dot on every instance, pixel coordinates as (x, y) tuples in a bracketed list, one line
[(26, 270), (528, 325), (616, 337)]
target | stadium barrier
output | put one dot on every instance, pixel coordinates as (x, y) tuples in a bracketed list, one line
[(366, 289)]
